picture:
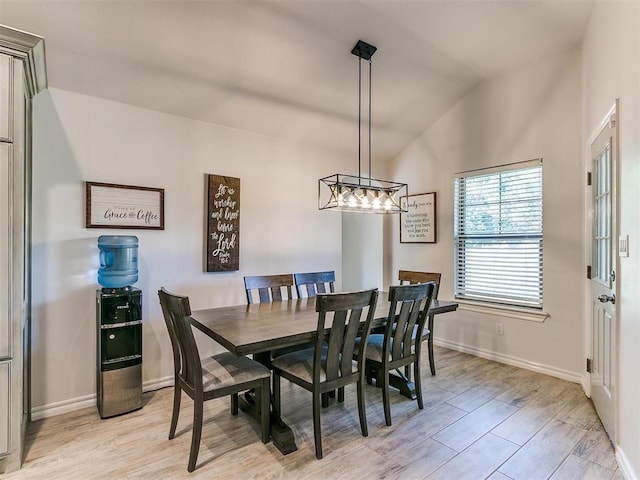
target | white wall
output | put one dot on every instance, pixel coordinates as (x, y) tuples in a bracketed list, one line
[(531, 113), (79, 138), (362, 251), (611, 69)]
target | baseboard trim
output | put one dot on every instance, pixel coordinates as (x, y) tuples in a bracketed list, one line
[(86, 401), (513, 361), (625, 465)]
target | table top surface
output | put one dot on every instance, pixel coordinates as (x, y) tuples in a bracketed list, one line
[(261, 327)]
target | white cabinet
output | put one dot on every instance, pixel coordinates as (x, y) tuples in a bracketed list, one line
[(22, 75), (5, 96), (4, 407), (4, 251)]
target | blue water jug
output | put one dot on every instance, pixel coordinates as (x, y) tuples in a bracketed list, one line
[(118, 260)]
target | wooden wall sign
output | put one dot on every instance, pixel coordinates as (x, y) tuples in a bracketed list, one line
[(108, 205), (223, 223), (418, 225)]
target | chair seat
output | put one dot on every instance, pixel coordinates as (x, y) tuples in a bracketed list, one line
[(300, 364), (374, 346), (226, 369)]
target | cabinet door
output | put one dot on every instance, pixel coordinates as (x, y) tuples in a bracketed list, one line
[(4, 408), (5, 299), (5, 97)]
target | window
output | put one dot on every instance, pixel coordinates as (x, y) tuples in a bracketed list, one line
[(498, 235)]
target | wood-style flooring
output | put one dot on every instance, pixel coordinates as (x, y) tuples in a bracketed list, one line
[(481, 419)]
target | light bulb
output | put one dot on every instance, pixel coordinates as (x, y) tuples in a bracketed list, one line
[(364, 199)]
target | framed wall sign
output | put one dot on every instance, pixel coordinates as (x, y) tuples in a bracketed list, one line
[(418, 225), (108, 205), (223, 223)]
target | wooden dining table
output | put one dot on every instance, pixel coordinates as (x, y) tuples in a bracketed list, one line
[(259, 328)]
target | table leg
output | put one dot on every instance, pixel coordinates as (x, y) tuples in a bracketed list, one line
[(281, 434), (405, 386)]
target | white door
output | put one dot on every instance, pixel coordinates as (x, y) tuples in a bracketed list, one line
[(603, 274)]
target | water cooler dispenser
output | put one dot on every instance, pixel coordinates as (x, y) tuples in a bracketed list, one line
[(119, 325)]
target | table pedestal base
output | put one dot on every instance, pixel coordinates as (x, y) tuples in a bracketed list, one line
[(405, 386), (281, 433)]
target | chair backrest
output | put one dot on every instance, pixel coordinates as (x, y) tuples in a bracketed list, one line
[(186, 359), (408, 309), (314, 283), (420, 277), (345, 327), (269, 287)]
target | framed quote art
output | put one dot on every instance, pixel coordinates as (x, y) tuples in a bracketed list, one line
[(418, 223), (223, 224), (108, 205)]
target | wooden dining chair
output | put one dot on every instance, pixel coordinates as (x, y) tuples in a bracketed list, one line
[(412, 277), (269, 287), (205, 379), (329, 365), (398, 347), (314, 283)]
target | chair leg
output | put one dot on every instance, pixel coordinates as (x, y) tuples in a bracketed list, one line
[(177, 395), (234, 404), (418, 382), (432, 362), (385, 395), (265, 414), (362, 409), (325, 399), (316, 424), (196, 435), (341, 394), (407, 372)]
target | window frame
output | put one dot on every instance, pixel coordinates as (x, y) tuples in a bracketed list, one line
[(476, 258)]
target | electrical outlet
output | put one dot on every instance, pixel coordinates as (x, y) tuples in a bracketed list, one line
[(499, 329)]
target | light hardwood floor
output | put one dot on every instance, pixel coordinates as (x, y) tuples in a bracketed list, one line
[(481, 420)]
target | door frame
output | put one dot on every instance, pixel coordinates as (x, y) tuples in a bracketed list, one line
[(588, 224)]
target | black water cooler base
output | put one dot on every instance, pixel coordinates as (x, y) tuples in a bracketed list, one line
[(119, 352)]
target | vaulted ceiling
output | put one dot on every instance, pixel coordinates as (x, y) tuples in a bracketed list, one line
[(284, 68)]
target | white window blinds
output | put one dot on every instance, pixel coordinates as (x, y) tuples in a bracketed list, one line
[(498, 235)]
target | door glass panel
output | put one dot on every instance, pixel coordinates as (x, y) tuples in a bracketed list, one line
[(602, 216)]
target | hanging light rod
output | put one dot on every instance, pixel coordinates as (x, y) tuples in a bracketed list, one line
[(355, 193)]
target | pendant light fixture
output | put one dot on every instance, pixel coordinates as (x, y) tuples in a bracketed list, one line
[(358, 193)]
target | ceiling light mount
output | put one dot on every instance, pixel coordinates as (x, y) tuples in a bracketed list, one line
[(355, 193), (364, 50)]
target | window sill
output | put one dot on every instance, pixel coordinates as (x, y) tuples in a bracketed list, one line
[(519, 313)]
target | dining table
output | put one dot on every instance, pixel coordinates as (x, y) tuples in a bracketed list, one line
[(259, 328)]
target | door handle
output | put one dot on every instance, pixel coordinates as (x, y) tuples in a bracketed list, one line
[(607, 298)]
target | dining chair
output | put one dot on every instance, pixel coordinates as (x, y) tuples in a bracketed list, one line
[(314, 283), (329, 365), (205, 379), (397, 347), (413, 277), (270, 287)]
